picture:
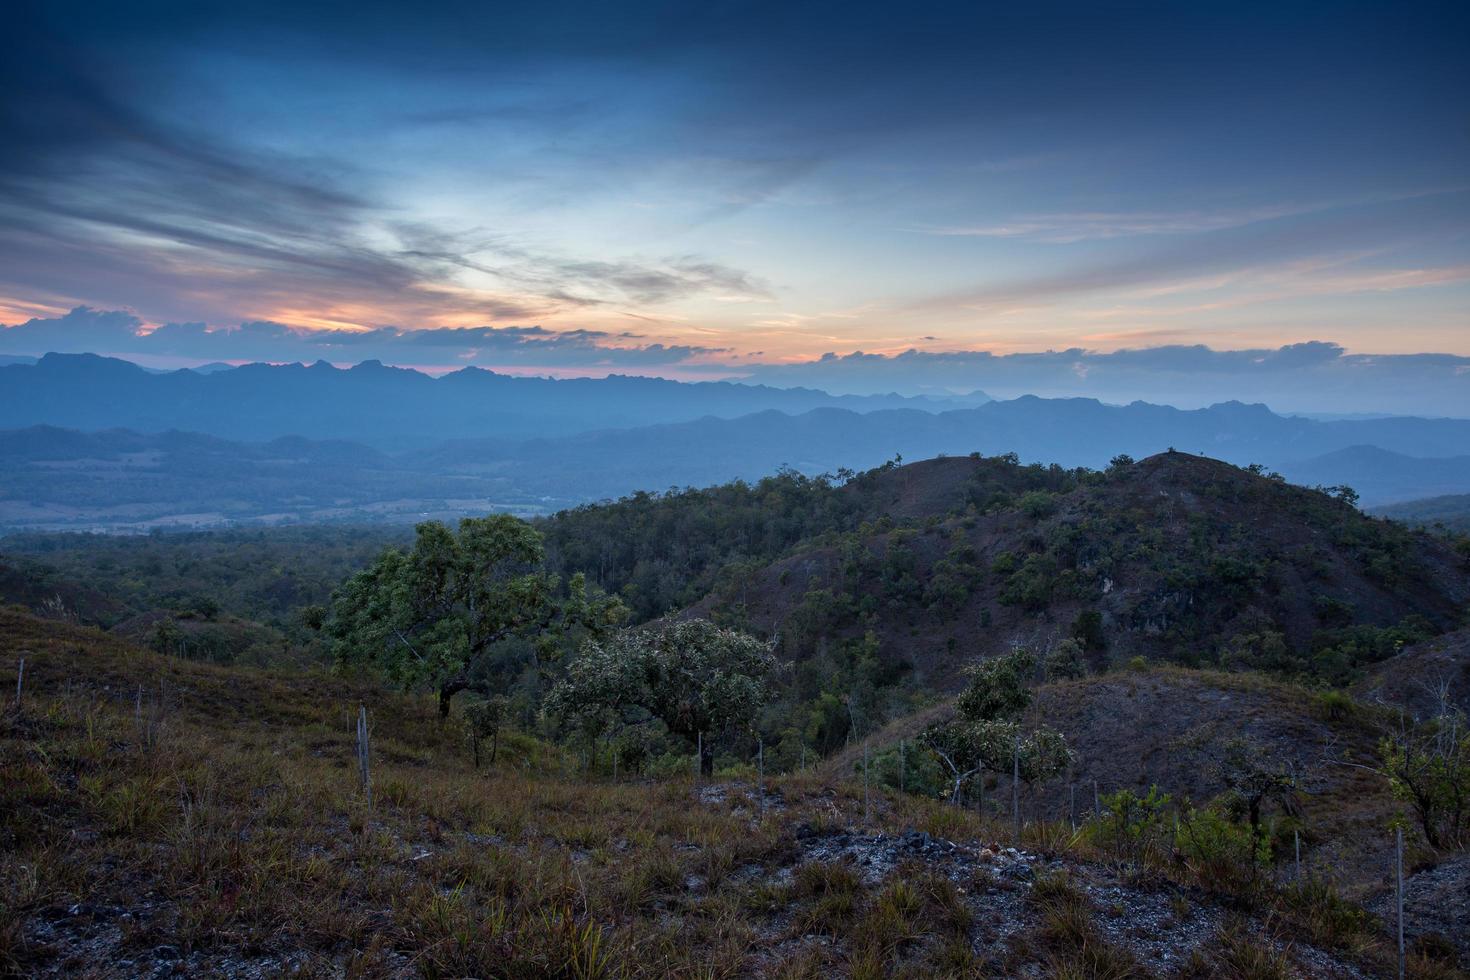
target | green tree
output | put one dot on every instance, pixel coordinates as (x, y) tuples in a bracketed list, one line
[(986, 735), (167, 636), (696, 678), (429, 614), (1065, 662), (1256, 776), (483, 720), (997, 689), (1428, 767)]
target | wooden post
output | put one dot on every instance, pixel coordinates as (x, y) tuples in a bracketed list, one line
[(20, 679), (1296, 842), (803, 756), (1096, 806), (760, 766), (865, 783), (902, 786), (1399, 890), (364, 757), (698, 757), (1016, 789), (1072, 805)]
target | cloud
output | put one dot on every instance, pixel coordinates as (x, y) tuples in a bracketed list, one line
[(1285, 254), (1316, 376), (1066, 229), (120, 333), (103, 200), (1313, 376)]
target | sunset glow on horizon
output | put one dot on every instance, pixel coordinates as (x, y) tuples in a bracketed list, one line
[(689, 193)]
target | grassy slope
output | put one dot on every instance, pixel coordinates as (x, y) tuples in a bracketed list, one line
[(220, 830), (1137, 729)]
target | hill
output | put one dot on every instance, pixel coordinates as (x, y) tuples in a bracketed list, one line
[(663, 551), (1381, 476), (391, 408), (1175, 557), (1068, 431), (54, 478), (1427, 678), (1157, 726), (1451, 511), (164, 816)]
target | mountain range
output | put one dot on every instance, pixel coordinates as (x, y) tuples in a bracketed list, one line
[(55, 477), (387, 407)]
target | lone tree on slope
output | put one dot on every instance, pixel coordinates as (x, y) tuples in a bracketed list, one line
[(429, 614), (986, 735), (693, 676)]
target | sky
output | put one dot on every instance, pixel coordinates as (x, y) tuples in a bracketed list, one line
[(722, 189)]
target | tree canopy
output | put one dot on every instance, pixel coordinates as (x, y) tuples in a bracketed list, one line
[(428, 614), (986, 735), (693, 676)]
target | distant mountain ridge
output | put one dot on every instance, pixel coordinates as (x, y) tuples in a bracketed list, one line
[(1384, 476), (58, 477), (1067, 431), (391, 408)]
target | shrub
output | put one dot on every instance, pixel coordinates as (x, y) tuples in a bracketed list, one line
[(1131, 825), (1220, 852), (1065, 662), (1335, 706)]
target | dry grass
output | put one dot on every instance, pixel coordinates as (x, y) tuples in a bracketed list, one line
[(216, 823)]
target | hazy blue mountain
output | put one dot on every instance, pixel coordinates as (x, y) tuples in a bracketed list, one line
[(385, 406), (1452, 511), (1382, 476), (51, 476), (1071, 432)]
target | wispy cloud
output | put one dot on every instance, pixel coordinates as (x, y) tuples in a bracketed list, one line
[(1294, 250), (122, 333), (163, 215), (1069, 228)]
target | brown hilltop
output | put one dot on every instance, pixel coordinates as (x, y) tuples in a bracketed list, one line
[(1179, 555)]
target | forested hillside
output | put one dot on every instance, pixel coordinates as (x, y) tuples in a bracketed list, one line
[(1175, 557), (661, 551)]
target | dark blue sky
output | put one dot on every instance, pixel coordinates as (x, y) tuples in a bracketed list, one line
[(703, 187)]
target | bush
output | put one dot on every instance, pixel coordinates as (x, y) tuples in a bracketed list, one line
[(1131, 825), (1065, 662), (1335, 706), (1220, 852)]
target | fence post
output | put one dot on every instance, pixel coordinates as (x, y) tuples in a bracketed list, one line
[(1072, 805), (1096, 806), (364, 758), (1296, 843), (20, 678), (698, 757), (1016, 789), (1399, 890), (760, 765), (866, 809), (902, 784)]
